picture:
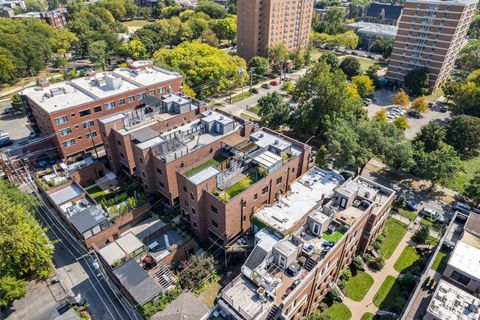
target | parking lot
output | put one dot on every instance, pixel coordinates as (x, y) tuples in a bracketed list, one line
[(383, 99), (17, 126)]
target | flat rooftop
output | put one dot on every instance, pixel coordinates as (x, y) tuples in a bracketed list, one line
[(305, 194), (450, 302), (68, 193), (466, 258), (265, 139), (120, 248), (147, 76), (375, 28), (79, 91)]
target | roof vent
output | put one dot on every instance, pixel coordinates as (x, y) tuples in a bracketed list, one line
[(276, 141)]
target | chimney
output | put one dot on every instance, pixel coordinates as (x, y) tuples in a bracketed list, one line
[(43, 82)]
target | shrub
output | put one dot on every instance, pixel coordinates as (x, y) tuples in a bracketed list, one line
[(357, 265), (322, 306), (334, 295), (421, 235), (376, 245), (398, 305), (399, 202), (347, 274), (377, 263), (407, 282), (367, 257)]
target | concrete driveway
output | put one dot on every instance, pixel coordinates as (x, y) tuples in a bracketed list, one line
[(383, 99)]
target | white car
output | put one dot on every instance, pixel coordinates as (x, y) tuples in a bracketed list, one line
[(434, 215)]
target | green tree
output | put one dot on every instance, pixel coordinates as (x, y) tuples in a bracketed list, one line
[(420, 105), (399, 156), (194, 272), (287, 86), (97, 52), (196, 26), (11, 289), (297, 56), (172, 30), (417, 81), (321, 158), (401, 99), (273, 109), (450, 88), (350, 66), (134, 49), (214, 10), (171, 11), (8, 72), (209, 37), (381, 116), (421, 235), (277, 55), (364, 86), (207, 70), (259, 65), (463, 134), (467, 99), (331, 59), (432, 136), (348, 40), (333, 22), (322, 94), (63, 41), (472, 189), (469, 59), (437, 165), (224, 29)]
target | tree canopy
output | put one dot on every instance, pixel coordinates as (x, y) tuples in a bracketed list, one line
[(463, 134), (417, 81), (207, 70), (259, 65), (273, 109), (469, 59), (333, 22), (401, 99), (350, 66), (420, 105), (364, 86)]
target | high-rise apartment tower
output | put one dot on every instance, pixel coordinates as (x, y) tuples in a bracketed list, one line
[(430, 34), (262, 23)]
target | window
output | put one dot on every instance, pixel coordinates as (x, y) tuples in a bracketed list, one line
[(186, 203), (159, 171), (141, 96), (110, 105), (457, 276), (88, 124), (278, 181), (65, 132), (162, 90), (214, 223), (119, 143), (255, 196), (265, 190), (191, 196), (68, 143), (61, 120), (161, 184), (184, 188), (140, 159), (193, 211), (91, 135), (121, 102), (131, 99), (144, 175), (214, 209), (84, 113), (152, 92), (194, 224), (97, 109), (122, 156)]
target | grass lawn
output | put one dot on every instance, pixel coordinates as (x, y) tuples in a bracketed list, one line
[(209, 294), (96, 193), (431, 223), (408, 214), (462, 178), (394, 232), (435, 95), (367, 316), (407, 259), (334, 237), (243, 184), (248, 117), (212, 162), (387, 292), (441, 260), (357, 286), (432, 241), (338, 311), (240, 97), (255, 109), (135, 23)]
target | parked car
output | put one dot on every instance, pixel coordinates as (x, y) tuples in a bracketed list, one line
[(434, 215), (431, 104), (274, 83), (254, 90), (413, 114), (411, 205), (443, 109), (367, 101), (462, 207), (5, 139), (266, 86)]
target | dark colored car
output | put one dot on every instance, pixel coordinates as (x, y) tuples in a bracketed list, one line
[(443, 109), (266, 86), (413, 114), (254, 90), (411, 205)]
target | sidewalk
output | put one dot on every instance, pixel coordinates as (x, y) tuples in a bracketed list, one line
[(366, 305)]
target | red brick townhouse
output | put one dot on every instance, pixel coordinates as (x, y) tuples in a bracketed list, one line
[(68, 111), (296, 261)]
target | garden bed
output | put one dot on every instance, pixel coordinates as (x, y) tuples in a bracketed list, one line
[(242, 185), (97, 193), (212, 162), (334, 237)]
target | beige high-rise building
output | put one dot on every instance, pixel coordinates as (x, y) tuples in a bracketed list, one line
[(431, 33), (262, 23)]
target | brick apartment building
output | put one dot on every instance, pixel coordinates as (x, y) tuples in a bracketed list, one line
[(430, 34), (56, 18), (292, 266), (262, 23), (191, 157), (68, 111)]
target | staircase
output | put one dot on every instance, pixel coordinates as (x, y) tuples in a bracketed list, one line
[(310, 264), (274, 313)]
